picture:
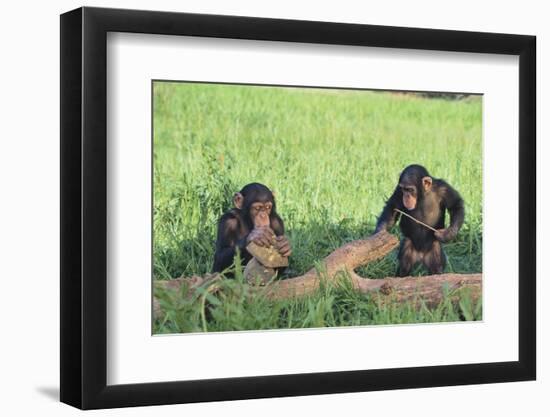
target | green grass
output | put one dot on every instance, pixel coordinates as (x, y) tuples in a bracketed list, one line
[(332, 157), (234, 306)]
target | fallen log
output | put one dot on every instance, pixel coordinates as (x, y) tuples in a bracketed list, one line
[(430, 289), (342, 262)]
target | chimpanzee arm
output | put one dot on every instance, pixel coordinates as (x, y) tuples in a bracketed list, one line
[(277, 225), (227, 243), (388, 216), (454, 203), (282, 243)]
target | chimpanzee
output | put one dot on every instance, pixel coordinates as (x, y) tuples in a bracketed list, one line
[(253, 219), (425, 198)]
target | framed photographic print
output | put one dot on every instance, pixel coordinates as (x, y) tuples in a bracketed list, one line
[(257, 207)]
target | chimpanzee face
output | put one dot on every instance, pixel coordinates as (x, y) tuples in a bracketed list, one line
[(412, 191), (257, 203), (259, 213), (409, 195)]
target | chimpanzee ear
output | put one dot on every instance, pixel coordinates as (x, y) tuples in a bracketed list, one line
[(273, 194), (427, 183), (238, 200)]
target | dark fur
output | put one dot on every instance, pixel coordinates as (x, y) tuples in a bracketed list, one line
[(235, 225), (419, 244)]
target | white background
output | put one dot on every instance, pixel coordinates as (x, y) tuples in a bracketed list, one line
[(134, 356), (30, 204)]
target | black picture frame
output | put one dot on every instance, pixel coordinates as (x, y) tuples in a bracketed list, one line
[(84, 207)]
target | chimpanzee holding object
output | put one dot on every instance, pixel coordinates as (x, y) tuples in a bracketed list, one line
[(253, 219), (425, 198)]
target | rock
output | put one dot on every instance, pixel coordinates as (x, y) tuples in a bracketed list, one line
[(268, 257)]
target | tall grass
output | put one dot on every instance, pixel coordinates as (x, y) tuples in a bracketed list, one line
[(331, 156)]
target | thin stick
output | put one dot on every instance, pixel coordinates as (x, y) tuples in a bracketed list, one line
[(418, 221)]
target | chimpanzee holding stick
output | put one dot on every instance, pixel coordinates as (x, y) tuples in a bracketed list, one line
[(421, 200)]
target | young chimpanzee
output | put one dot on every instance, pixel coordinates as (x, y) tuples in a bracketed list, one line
[(253, 219), (426, 199)]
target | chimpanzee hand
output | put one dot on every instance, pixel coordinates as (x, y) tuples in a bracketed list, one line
[(282, 244), (444, 235), (261, 236)]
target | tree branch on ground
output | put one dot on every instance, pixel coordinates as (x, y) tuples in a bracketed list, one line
[(343, 261)]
